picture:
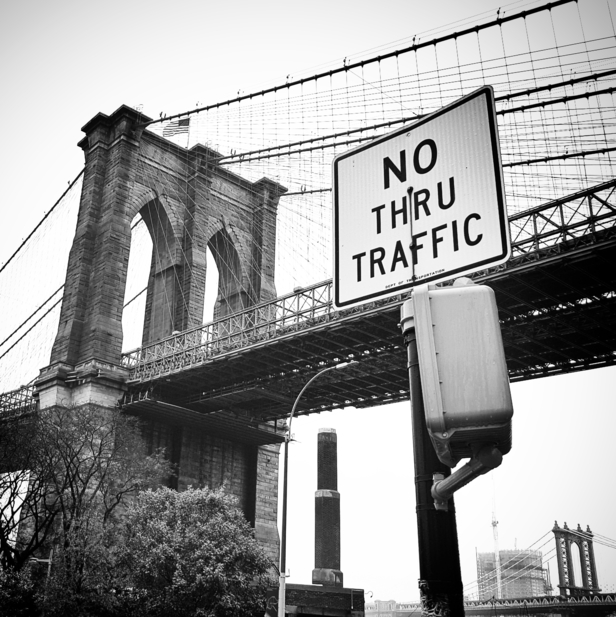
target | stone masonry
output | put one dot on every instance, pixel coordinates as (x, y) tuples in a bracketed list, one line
[(188, 203)]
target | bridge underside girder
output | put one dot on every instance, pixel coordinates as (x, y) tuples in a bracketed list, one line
[(558, 313), (591, 605)]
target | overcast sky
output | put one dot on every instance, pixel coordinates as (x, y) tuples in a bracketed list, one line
[(65, 61)]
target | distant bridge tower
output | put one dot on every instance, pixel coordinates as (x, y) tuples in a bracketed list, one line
[(188, 203), (580, 541)]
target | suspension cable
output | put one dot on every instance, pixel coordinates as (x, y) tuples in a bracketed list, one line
[(70, 186), (347, 67)]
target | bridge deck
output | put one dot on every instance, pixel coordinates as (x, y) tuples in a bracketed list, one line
[(556, 299), (592, 605)]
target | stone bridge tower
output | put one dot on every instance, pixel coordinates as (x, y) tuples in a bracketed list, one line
[(188, 203), (580, 541)]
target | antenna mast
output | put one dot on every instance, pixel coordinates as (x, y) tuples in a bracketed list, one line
[(497, 563)]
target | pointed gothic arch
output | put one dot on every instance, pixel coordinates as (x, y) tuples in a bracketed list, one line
[(165, 296), (232, 294)]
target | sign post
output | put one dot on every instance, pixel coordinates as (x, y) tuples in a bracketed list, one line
[(440, 577), (420, 205)]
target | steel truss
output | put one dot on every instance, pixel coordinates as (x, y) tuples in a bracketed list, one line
[(576, 224), (17, 402), (557, 305), (597, 604)]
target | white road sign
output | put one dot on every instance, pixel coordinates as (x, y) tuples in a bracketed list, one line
[(420, 205)]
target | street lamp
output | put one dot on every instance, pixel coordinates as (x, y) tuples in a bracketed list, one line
[(283, 537)]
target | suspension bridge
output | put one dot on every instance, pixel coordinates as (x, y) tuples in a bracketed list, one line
[(599, 604), (240, 190), (556, 295), (524, 580)]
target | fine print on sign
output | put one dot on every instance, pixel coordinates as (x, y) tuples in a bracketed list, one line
[(420, 205)]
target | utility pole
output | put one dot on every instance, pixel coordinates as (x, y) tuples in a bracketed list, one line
[(282, 597), (440, 581), (454, 333)]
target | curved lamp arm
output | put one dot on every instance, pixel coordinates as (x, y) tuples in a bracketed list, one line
[(299, 396), (283, 539)]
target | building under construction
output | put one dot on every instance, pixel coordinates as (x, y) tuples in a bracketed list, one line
[(521, 575)]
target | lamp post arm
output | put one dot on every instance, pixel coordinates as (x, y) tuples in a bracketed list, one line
[(283, 540), (299, 396)]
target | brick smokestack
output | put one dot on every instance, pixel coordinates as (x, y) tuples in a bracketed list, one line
[(327, 513)]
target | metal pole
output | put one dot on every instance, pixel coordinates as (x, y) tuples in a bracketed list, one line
[(440, 581), (283, 539)]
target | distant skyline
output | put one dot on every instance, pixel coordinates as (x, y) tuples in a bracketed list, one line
[(65, 62)]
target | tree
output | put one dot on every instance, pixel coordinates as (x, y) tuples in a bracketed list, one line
[(193, 553), (66, 472), (17, 593), (23, 495)]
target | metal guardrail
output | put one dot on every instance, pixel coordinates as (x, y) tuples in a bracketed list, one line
[(582, 214), (258, 323), (306, 308), (578, 216), (17, 402), (551, 603), (597, 598)]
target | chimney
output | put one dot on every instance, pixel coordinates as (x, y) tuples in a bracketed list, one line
[(327, 513)]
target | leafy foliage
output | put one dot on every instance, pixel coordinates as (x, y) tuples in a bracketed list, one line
[(158, 553), (17, 598), (78, 465), (193, 553), (24, 495)]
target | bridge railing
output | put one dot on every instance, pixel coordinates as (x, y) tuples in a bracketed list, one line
[(304, 308), (595, 598), (577, 216), (309, 305), (582, 214), (550, 604), (17, 402)]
